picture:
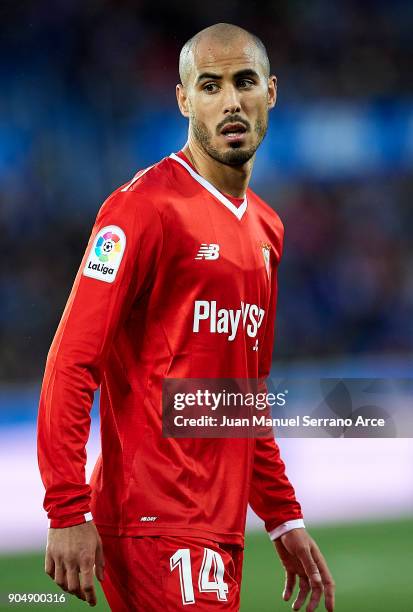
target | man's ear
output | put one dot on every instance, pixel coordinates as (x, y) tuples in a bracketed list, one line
[(272, 91), (182, 99)]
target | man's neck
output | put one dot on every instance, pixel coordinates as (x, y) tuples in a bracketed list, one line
[(232, 180)]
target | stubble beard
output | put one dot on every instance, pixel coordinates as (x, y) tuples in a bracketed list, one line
[(236, 155)]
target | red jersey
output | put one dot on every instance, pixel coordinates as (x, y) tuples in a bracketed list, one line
[(167, 251)]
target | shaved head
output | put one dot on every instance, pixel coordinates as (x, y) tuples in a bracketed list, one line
[(226, 91), (225, 34)]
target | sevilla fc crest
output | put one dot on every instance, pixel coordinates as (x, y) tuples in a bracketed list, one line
[(265, 249)]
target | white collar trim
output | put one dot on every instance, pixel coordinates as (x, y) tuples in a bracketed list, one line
[(238, 211)]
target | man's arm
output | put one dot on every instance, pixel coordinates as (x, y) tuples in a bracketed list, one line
[(272, 497), (118, 265)]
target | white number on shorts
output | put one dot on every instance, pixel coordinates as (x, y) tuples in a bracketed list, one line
[(205, 585), (212, 560), (182, 559)]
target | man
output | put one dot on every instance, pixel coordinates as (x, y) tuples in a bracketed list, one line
[(179, 241)]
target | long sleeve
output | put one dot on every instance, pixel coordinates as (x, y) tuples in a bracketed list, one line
[(117, 267), (272, 496)]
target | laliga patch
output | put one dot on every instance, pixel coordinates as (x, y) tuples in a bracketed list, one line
[(106, 254)]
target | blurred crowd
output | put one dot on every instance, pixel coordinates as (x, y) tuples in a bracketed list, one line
[(87, 97), (346, 286)]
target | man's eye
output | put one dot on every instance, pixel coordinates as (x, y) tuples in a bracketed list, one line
[(210, 87), (245, 83)]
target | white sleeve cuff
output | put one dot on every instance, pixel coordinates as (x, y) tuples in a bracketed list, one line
[(88, 517), (285, 527)]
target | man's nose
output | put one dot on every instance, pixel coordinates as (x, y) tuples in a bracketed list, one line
[(231, 101)]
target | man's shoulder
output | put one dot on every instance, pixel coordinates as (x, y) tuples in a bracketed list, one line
[(151, 179), (161, 183), (147, 188)]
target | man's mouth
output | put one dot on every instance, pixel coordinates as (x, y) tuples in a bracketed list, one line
[(234, 132)]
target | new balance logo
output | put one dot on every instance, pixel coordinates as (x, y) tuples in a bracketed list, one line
[(208, 251)]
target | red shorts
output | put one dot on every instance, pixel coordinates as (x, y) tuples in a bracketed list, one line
[(168, 573)]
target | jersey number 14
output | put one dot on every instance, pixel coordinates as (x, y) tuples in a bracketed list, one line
[(212, 561)]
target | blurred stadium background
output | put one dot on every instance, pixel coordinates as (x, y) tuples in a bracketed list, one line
[(87, 98)]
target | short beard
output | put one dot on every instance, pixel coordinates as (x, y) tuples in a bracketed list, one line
[(236, 156)]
